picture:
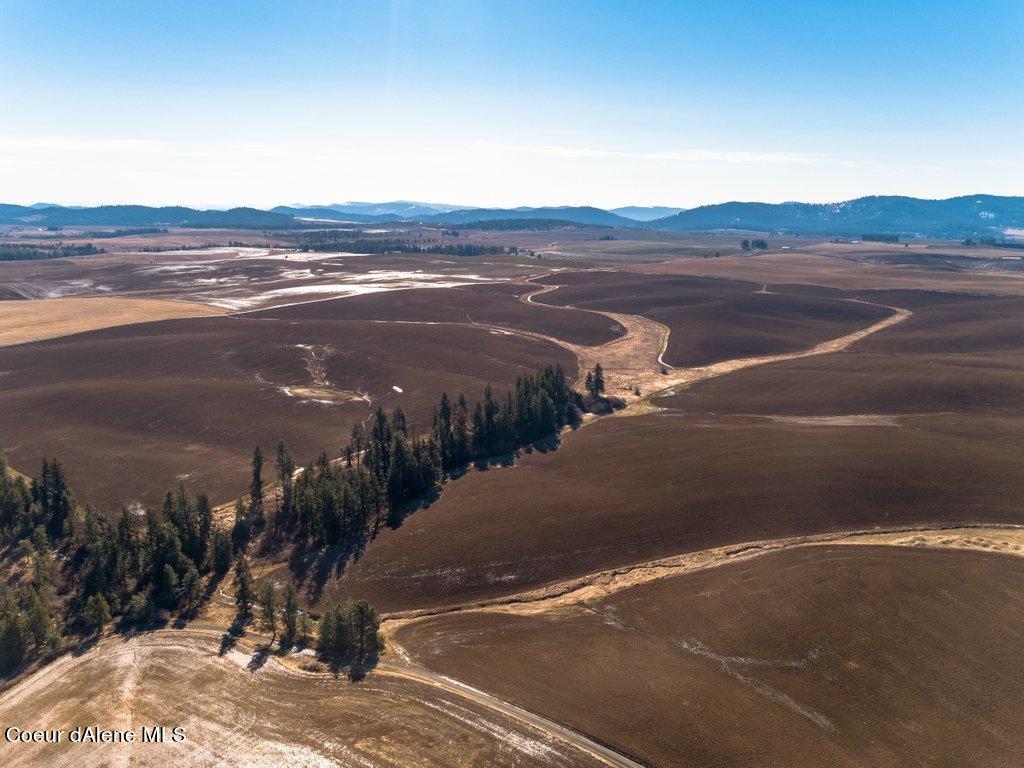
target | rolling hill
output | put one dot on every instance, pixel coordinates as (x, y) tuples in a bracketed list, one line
[(586, 215), (646, 212), (143, 215), (954, 217)]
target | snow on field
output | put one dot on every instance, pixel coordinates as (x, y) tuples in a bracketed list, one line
[(296, 274), (175, 268), (341, 286), (69, 288), (242, 251)]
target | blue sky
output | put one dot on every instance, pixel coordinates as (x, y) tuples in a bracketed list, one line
[(508, 103)]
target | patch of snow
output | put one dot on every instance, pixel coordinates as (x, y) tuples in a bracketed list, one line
[(296, 274), (177, 267)]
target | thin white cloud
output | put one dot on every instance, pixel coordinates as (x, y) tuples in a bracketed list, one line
[(90, 170)]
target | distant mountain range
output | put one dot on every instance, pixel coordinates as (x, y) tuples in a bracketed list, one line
[(402, 209), (576, 214), (144, 216), (646, 213), (954, 217), (358, 213)]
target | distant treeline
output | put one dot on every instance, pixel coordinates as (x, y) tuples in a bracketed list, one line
[(539, 225), (165, 248), (333, 240), (101, 234), (993, 242), (19, 251), (879, 237)]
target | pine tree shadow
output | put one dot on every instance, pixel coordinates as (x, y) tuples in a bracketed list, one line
[(273, 541), (260, 657), (505, 459), (86, 645), (315, 567), (361, 667), (189, 614), (355, 668), (230, 638), (548, 444), (398, 516)]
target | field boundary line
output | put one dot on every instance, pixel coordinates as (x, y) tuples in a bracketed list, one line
[(600, 584)]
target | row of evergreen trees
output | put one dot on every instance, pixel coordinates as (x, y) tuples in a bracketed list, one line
[(350, 629), (23, 251), (386, 465)]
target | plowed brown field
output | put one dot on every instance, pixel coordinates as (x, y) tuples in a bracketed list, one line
[(825, 655), (130, 410)]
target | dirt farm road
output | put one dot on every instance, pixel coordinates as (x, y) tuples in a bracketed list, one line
[(580, 590), (198, 642), (604, 754), (634, 364)]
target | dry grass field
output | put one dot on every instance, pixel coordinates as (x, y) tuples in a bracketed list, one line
[(824, 655), (24, 321), (417, 384), (179, 678)]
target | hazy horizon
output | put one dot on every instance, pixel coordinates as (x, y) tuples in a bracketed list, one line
[(456, 207)]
